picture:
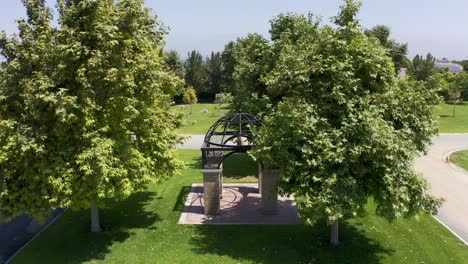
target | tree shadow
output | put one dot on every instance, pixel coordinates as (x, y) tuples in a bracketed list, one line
[(196, 163), (181, 199), (446, 116), (69, 240), (287, 244)]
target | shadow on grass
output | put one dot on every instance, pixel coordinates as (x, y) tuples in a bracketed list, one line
[(70, 240), (196, 163), (446, 116), (287, 244), (181, 198)]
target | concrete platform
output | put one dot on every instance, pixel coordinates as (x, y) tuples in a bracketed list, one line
[(240, 205)]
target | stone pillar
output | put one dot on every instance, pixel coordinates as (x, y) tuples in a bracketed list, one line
[(211, 190), (268, 179)]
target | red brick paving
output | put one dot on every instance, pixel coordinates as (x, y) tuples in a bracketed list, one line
[(240, 205)]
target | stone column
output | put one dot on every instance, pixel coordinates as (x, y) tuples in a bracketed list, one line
[(268, 179), (211, 190)]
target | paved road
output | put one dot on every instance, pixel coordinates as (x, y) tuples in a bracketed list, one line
[(17, 232), (447, 180), (191, 142)]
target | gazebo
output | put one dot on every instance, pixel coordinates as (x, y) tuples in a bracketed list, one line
[(233, 134)]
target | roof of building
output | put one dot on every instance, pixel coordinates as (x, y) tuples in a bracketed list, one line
[(453, 67)]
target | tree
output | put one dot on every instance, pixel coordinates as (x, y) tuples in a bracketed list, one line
[(455, 99), (85, 113), (341, 127), (190, 97), (195, 71), (421, 69), (397, 51), (461, 83), (441, 81), (175, 63), (465, 65), (214, 73), (229, 64), (251, 57)]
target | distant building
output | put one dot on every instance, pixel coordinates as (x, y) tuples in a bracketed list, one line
[(402, 74), (452, 67)]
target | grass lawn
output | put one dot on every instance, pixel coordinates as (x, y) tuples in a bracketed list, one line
[(144, 229), (199, 122), (246, 173), (449, 124), (460, 159)]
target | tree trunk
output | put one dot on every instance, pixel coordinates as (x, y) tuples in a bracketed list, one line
[(95, 226), (454, 104), (334, 234)]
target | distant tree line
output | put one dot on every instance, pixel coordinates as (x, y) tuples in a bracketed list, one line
[(450, 86), (205, 75), (216, 73)]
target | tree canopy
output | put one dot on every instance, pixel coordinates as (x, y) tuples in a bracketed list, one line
[(84, 113), (195, 71), (421, 69), (249, 60), (339, 124), (214, 72), (190, 97), (175, 63), (397, 51)]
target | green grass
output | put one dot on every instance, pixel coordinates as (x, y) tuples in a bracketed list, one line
[(199, 122), (144, 229), (240, 167), (460, 159), (450, 124)]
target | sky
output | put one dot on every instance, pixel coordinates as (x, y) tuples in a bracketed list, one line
[(434, 26)]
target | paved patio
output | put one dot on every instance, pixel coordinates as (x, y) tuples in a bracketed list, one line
[(240, 204)]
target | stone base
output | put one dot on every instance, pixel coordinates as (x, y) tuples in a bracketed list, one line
[(241, 204)]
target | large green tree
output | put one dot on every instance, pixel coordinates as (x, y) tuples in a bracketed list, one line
[(250, 58), (340, 125), (195, 71), (84, 113), (421, 69), (464, 64), (397, 51), (175, 63), (461, 83), (214, 73), (229, 64)]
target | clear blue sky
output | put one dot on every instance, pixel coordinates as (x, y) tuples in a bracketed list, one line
[(435, 26)]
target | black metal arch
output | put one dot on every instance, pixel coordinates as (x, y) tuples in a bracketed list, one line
[(231, 133)]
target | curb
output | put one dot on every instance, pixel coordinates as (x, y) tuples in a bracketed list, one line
[(446, 159), (446, 156), (451, 231)]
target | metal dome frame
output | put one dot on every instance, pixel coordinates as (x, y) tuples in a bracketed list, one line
[(231, 133)]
